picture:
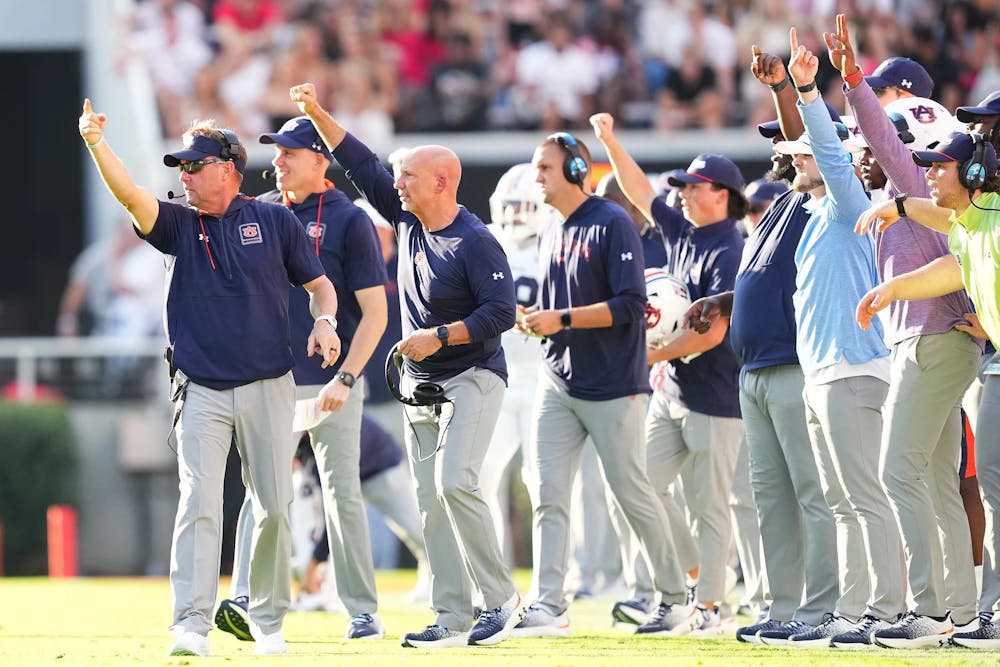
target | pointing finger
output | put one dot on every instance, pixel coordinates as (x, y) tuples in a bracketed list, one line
[(86, 106), (793, 39), (755, 50)]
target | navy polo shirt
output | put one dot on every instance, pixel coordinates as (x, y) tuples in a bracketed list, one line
[(653, 253), (706, 258), (594, 256), (456, 273), (227, 300), (762, 326), (352, 258)]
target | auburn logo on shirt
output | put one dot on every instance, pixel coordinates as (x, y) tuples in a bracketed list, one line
[(250, 234), (314, 231)]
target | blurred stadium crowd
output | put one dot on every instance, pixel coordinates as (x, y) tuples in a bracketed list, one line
[(387, 66)]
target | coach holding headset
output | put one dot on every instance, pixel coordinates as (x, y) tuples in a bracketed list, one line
[(457, 298), (227, 324)]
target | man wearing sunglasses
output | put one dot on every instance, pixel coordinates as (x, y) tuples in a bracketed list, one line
[(231, 259)]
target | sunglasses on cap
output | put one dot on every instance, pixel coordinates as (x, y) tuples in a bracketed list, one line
[(198, 165)]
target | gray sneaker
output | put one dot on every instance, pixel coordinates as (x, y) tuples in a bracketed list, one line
[(435, 636), (751, 633), (779, 636), (494, 625), (540, 623), (860, 636), (916, 631), (986, 637), (821, 634)]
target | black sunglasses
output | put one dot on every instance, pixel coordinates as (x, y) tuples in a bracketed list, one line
[(198, 165)]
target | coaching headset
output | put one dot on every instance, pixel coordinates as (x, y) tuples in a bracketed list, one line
[(972, 173), (425, 393), (574, 167), (230, 146)]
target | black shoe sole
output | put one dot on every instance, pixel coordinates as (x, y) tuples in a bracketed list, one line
[(231, 621)]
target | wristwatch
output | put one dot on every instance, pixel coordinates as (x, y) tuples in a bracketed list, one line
[(565, 319), (442, 334), (329, 318), (899, 199), (346, 379)]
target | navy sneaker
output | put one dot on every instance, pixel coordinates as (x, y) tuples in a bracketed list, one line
[(916, 631), (365, 626), (820, 635), (751, 633), (232, 617), (634, 612), (781, 634), (494, 625), (861, 635), (435, 636), (672, 620), (987, 636)]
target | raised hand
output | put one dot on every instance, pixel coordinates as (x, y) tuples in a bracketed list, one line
[(304, 96), (767, 68), (838, 45), (804, 64), (92, 124), (604, 125)]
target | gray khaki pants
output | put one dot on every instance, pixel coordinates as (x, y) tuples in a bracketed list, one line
[(921, 452), (796, 525), (258, 417), (446, 453), (988, 472), (615, 426)]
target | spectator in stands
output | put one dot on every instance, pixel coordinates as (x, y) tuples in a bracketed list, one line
[(169, 37), (459, 87), (691, 98), (304, 58)]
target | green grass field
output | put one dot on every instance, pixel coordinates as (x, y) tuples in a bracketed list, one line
[(84, 622)]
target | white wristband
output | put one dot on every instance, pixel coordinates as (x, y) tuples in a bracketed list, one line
[(329, 318), (94, 145)]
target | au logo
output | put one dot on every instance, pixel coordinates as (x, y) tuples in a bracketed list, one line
[(250, 234), (420, 259), (924, 114), (314, 231)]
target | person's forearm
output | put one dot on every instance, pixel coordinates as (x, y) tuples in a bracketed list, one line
[(929, 214), (594, 316), (939, 277), (323, 299), (329, 130), (140, 203), (691, 342), (630, 177), (374, 317)]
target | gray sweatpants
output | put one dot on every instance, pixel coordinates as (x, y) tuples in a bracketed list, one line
[(562, 424), (258, 416), (336, 443), (845, 427), (796, 525), (702, 450), (921, 451), (446, 453)]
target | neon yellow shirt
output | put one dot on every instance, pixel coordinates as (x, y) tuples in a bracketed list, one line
[(974, 239)]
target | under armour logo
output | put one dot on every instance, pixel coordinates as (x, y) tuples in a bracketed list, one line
[(498, 275), (906, 83), (626, 256)]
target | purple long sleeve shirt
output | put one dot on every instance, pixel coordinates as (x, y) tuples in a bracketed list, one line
[(906, 245)]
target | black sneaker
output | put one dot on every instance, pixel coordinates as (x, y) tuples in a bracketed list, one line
[(365, 626), (494, 625), (861, 635), (435, 636), (751, 633), (232, 617), (634, 612)]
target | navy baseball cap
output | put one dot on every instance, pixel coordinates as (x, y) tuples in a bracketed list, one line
[(904, 73), (709, 168), (762, 190), (198, 147), (988, 107), (771, 128), (299, 132), (958, 147)]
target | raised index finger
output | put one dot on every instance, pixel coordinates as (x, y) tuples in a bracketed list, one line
[(755, 50), (86, 105), (793, 39)]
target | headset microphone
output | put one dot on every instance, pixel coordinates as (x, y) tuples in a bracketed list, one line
[(267, 174), (171, 195)]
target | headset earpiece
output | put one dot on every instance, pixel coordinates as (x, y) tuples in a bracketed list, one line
[(972, 172), (575, 167), (425, 393), (230, 147)]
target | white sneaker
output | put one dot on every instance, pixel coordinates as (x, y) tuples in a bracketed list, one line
[(190, 643), (714, 623), (540, 623), (671, 620), (272, 644)]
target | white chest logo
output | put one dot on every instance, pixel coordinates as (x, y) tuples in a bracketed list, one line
[(498, 275)]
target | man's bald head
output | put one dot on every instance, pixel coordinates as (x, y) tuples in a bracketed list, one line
[(427, 179), (439, 161)]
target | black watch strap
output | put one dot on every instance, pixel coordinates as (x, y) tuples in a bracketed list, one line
[(346, 379), (442, 334), (900, 208), (565, 319)]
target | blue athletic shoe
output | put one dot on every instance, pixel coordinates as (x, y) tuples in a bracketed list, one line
[(916, 631), (781, 634), (232, 617), (987, 636), (494, 625), (435, 636), (751, 633), (365, 626), (671, 620)]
